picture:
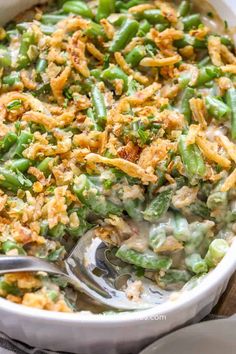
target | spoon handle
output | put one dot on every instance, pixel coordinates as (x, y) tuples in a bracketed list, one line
[(15, 264)]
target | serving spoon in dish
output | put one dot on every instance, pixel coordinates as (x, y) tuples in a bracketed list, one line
[(90, 269)]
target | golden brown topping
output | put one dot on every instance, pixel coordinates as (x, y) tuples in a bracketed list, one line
[(128, 167), (198, 109), (214, 49), (211, 154), (156, 62), (58, 84), (108, 28)]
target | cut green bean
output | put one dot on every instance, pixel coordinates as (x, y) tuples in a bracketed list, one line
[(157, 236), (216, 252), (114, 73), (158, 207), (12, 181), (28, 39), (11, 79), (144, 28), (21, 165), (5, 57), (154, 16), (99, 106), (174, 278), (216, 108), (231, 102), (147, 260), (51, 19), (105, 8), (191, 21), (192, 159), (185, 107), (90, 195), (196, 264), (7, 142), (184, 8), (180, 226), (78, 8), (207, 74), (127, 31), (135, 55), (23, 141)]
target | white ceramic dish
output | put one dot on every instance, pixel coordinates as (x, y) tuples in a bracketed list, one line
[(127, 332)]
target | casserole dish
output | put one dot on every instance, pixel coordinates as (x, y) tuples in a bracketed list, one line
[(86, 333)]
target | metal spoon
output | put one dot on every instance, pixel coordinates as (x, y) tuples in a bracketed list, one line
[(89, 270)]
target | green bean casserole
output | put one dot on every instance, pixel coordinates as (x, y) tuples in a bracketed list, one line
[(118, 116)]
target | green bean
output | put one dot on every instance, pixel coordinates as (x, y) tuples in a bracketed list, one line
[(216, 252), (207, 74), (89, 195), (24, 139), (96, 73), (154, 16), (41, 65), (5, 57), (44, 165), (135, 55), (51, 19), (113, 73), (186, 40), (127, 31), (198, 232), (185, 107), (23, 26), (134, 208), (82, 227), (92, 118), (196, 264), (28, 39), (44, 228), (21, 165), (173, 278), (7, 142), (192, 159), (124, 6), (99, 106), (11, 245), (12, 79), (144, 28), (78, 8), (12, 181), (105, 8), (216, 108), (217, 199), (157, 236), (47, 29), (199, 208), (158, 206), (148, 260), (58, 231), (94, 30), (231, 102), (191, 21), (184, 8), (180, 227)]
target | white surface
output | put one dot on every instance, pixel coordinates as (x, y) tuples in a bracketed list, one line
[(210, 337), (126, 332)]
